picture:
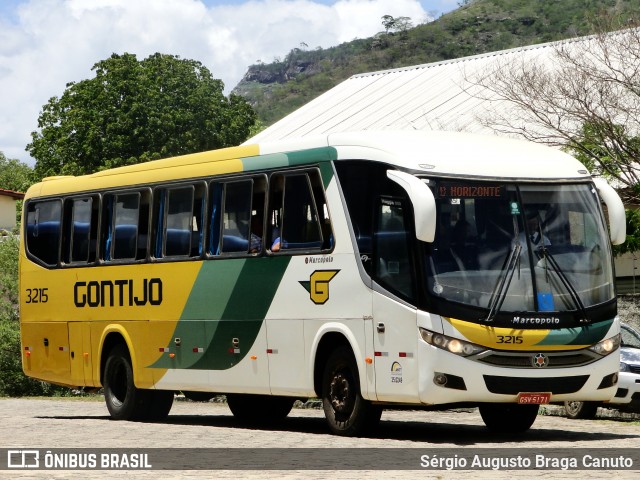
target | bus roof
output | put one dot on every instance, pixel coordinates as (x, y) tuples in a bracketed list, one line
[(432, 153), (465, 154)]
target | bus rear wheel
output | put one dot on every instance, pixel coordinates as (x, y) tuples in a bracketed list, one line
[(508, 417), (347, 413), (259, 408), (124, 400)]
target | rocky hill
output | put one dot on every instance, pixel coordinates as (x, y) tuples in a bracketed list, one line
[(478, 26)]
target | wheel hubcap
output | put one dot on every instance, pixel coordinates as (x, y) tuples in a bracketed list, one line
[(340, 393), (573, 406)]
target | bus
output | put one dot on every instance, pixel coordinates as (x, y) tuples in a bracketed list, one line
[(370, 270)]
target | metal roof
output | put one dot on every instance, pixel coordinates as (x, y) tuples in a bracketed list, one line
[(434, 96)]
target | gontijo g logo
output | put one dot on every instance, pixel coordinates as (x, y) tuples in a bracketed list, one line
[(318, 285)]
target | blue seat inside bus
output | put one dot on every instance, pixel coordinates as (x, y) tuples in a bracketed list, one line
[(234, 243), (43, 240), (43, 229), (177, 242), (81, 246), (125, 241)]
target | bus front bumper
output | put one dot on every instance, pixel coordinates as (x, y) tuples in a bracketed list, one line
[(451, 378)]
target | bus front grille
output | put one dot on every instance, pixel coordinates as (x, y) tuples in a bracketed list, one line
[(526, 359), (515, 385)]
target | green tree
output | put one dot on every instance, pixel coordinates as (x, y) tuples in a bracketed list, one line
[(134, 111), (14, 175), (396, 24)]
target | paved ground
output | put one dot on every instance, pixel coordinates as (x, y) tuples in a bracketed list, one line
[(72, 423)]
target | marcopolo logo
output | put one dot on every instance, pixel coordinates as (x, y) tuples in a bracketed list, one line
[(318, 285), (535, 320)]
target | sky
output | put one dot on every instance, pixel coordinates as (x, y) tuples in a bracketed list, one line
[(45, 44)]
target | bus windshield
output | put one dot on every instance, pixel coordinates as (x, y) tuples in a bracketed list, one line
[(519, 248)]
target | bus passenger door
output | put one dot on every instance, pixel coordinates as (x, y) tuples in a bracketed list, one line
[(394, 316), (395, 337)]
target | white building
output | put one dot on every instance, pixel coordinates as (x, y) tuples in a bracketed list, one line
[(8, 201)]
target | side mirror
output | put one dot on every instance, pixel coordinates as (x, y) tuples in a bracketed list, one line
[(615, 207), (424, 204)]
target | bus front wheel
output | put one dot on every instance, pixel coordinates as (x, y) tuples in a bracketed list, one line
[(347, 413), (508, 417)]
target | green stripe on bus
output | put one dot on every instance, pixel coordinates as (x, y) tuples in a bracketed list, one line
[(278, 160), (312, 155), (326, 170), (588, 335), (273, 160), (214, 316)]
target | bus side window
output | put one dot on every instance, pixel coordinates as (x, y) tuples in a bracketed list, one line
[(215, 207), (176, 228), (300, 221), (126, 226), (237, 216), (81, 227), (392, 262), (43, 230)]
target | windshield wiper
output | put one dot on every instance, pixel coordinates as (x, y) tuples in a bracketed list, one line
[(502, 285), (546, 254)]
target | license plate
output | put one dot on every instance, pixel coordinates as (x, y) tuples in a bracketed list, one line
[(537, 398)]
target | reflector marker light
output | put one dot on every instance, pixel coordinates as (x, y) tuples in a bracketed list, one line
[(27, 349), (254, 357), (381, 354), (163, 349), (63, 349), (272, 350), (405, 354), (198, 350), (172, 355), (234, 350)]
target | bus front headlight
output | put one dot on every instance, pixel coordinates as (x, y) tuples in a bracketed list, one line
[(606, 346), (453, 345)]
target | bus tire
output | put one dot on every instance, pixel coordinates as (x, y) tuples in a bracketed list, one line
[(581, 410), (124, 400), (508, 417), (259, 408), (347, 413)]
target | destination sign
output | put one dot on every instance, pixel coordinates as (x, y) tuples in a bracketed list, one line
[(452, 190)]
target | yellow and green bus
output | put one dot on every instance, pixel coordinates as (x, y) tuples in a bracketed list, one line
[(372, 270)]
